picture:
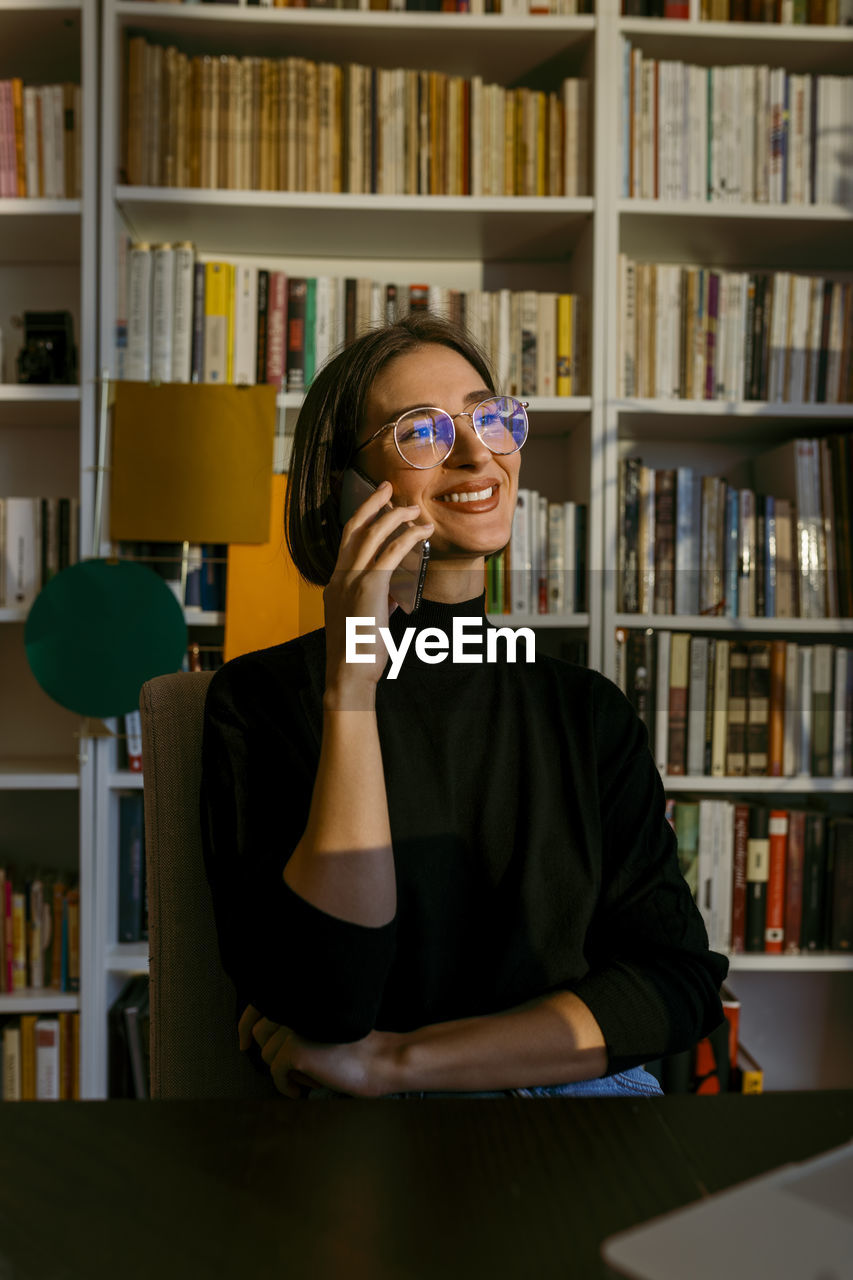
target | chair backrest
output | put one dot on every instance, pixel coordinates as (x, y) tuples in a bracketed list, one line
[(193, 1040)]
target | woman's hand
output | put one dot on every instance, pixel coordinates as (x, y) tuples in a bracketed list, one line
[(362, 1069), (360, 582)]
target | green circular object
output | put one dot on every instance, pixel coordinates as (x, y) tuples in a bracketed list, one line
[(99, 630)]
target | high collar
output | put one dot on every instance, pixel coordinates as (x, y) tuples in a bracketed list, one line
[(435, 613)]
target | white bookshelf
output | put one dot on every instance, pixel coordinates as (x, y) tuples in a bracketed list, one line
[(48, 260), (809, 992)]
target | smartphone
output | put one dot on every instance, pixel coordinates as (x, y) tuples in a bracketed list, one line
[(407, 580)]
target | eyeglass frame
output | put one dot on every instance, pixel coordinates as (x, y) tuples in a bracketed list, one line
[(466, 413)]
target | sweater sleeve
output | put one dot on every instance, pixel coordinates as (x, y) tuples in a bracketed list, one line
[(653, 984), (313, 972)]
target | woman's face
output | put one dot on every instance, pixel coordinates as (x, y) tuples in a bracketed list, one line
[(437, 376)]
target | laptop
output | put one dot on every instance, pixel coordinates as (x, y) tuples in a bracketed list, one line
[(793, 1224)]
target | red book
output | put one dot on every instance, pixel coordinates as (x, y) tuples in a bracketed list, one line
[(794, 881), (731, 1009), (676, 9), (276, 324), (774, 924), (739, 881)]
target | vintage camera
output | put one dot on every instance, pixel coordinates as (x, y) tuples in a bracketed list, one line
[(48, 354)]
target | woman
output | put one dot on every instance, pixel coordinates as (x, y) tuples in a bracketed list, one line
[(461, 880)]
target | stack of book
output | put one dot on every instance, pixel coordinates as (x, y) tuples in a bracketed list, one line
[(181, 320), (290, 124), (734, 134), (41, 1057), (39, 931), (197, 579), (38, 537), (826, 13), (721, 707), (783, 548), (697, 333), (40, 140)]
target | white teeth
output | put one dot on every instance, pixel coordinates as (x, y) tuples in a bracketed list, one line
[(468, 497)]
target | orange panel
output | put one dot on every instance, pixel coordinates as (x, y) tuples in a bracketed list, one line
[(267, 601)]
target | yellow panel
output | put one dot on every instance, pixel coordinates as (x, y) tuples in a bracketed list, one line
[(268, 602), (191, 463)]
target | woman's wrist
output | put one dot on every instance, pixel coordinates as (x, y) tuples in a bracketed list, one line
[(349, 695)]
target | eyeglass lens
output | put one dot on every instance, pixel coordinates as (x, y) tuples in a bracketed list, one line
[(425, 436)]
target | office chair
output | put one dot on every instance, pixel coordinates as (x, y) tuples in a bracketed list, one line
[(194, 1049)]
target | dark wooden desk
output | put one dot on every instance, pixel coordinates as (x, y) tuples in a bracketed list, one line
[(372, 1190)]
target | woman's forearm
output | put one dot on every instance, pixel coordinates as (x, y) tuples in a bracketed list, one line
[(344, 862), (552, 1040)]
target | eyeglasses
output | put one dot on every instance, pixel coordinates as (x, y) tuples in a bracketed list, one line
[(425, 437)]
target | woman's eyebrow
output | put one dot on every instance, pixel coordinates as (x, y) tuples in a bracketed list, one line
[(473, 397)]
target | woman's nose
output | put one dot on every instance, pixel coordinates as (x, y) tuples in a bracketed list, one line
[(468, 448)]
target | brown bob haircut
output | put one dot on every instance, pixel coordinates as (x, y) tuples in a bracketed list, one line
[(330, 419)]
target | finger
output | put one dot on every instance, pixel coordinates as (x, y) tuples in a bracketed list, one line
[(364, 544), (264, 1030), (248, 1019), (394, 554), (274, 1046)]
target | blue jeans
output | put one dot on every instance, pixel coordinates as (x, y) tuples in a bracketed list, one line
[(634, 1083)]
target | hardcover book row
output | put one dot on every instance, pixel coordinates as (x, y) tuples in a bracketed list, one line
[(41, 1058), (784, 12), (40, 140), (39, 932), (181, 320), (291, 124), (716, 707), (38, 537), (767, 880), (734, 135), (197, 577), (695, 333), (717, 1064), (780, 546)]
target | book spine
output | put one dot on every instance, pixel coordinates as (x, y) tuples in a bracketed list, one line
[(757, 872), (181, 365), (774, 926), (794, 882)]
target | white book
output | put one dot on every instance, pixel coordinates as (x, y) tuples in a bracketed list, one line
[(688, 516), (56, 106), (716, 193), (570, 554), (476, 115), (647, 140), (546, 346), (697, 118), (504, 337), (813, 340), (805, 676), (762, 134), (798, 97), (697, 701), (639, 124), (627, 367), (138, 358), (777, 118), (162, 311), (21, 543), (840, 758), (48, 149), (746, 140), (540, 578), (11, 1063), (182, 329), (824, 462), (31, 141), (47, 1059), (323, 322), (245, 325), (738, 387), (664, 643)]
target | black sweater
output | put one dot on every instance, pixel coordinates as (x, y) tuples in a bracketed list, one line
[(531, 849)]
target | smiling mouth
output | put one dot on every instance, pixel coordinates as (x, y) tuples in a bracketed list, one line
[(480, 496)]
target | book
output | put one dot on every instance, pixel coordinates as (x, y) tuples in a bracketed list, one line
[(757, 872), (131, 867), (774, 927), (841, 887), (46, 1034), (794, 882), (813, 932)]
